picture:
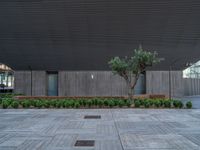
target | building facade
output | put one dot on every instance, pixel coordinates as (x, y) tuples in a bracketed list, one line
[(95, 83), (63, 47)]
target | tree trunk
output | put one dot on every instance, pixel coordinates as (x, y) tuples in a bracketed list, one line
[(131, 84), (130, 94)]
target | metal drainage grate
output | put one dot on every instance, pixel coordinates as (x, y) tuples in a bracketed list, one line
[(92, 117), (84, 143)]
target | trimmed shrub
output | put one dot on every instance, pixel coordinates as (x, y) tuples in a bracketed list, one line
[(84, 102), (26, 104), (146, 103), (53, 103), (95, 101), (5, 104), (9, 100), (46, 104), (137, 103), (181, 104), (125, 100), (58, 104), (100, 103), (141, 102), (39, 104), (15, 104), (151, 102), (177, 104), (89, 103), (167, 103), (128, 103), (157, 103), (81, 102), (62, 102), (116, 102), (111, 103), (189, 105), (71, 103), (106, 102), (121, 103), (76, 105), (162, 101), (32, 102), (67, 104)]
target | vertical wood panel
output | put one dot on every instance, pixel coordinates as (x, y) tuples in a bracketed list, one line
[(191, 86), (39, 83), (22, 82), (72, 83), (157, 82), (80, 83)]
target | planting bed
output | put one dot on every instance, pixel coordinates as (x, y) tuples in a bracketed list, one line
[(9, 101)]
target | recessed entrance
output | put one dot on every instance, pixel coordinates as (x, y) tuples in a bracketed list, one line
[(52, 83)]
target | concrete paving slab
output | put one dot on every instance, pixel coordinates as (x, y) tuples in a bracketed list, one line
[(118, 129)]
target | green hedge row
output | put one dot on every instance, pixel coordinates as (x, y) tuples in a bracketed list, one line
[(162, 103), (93, 102), (67, 103)]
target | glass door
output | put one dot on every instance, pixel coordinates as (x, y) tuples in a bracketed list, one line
[(52, 84)]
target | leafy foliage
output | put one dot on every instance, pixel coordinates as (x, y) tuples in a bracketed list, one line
[(131, 68), (111, 103), (26, 104), (5, 104), (77, 104), (147, 104), (189, 104), (157, 103), (93, 103), (167, 103), (137, 103), (39, 104), (177, 104), (15, 104)]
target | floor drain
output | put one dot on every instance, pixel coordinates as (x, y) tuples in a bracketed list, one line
[(92, 117), (84, 143)]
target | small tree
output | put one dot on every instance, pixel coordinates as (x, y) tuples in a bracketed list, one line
[(131, 68)]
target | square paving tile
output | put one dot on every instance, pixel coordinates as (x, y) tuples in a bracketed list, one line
[(118, 129)]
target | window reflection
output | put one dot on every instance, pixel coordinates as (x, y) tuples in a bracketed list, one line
[(6, 78), (193, 71)]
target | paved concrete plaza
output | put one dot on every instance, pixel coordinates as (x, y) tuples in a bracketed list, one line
[(118, 129)]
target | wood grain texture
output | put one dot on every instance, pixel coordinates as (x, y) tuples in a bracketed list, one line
[(104, 83), (23, 83), (157, 82)]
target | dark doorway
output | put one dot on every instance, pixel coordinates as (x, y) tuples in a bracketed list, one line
[(52, 83)]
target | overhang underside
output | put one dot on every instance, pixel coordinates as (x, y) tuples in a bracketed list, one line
[(85, 34)]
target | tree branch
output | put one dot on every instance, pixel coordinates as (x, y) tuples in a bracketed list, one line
[(135, 81)]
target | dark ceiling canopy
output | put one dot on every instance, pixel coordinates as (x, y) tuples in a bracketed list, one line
[(85, 34)]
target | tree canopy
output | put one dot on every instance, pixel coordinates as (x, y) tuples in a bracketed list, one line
[(131, 67)]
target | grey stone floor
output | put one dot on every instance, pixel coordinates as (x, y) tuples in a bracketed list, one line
[(118, 129)]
